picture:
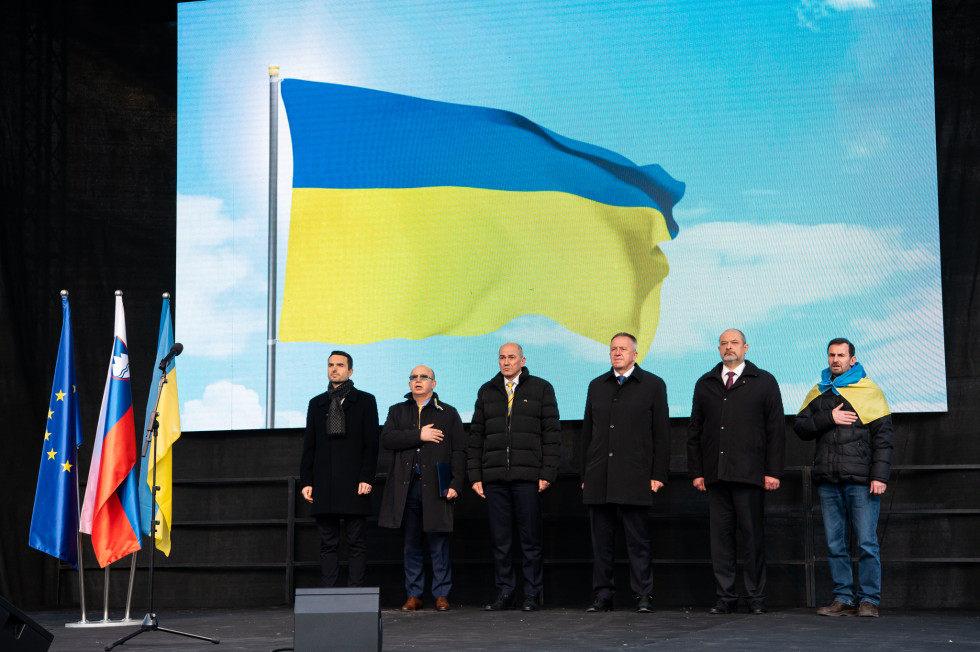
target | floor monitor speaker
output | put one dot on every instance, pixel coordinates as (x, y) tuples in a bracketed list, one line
[(19, 632), (337, 619)]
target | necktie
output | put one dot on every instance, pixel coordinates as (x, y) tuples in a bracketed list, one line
[(731, 379), (621, 379), (510, 397)]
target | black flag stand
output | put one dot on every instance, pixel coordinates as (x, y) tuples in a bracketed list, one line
[(149, 623)]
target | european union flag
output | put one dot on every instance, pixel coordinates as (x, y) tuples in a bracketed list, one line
[(54, 525)]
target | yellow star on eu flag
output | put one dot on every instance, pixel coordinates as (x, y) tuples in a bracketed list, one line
[(61, 395), (66, 466), (51, 454), (47, 435), (50, 413)]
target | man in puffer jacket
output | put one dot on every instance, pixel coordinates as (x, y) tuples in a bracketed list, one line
[(849, 418), (513, 456)]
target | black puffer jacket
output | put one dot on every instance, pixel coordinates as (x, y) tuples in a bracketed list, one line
[(524, 446), (854, 454)]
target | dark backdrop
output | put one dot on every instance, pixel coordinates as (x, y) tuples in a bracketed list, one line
[(88, 162)]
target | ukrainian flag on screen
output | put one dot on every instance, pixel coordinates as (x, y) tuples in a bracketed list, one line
[(412, 218)]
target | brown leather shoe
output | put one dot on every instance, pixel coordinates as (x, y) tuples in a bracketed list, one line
[(412, 604), (837, 608), (868, 610), (442, 604)]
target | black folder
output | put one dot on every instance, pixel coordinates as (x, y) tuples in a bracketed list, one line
[(445, 472)]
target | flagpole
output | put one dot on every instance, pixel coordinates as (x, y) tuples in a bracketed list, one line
[(150, 622), (78, 541), (129, 595), (78, 537), (105, 596), (270, 365)]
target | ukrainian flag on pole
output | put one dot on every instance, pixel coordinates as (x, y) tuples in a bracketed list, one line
[(54, 523), (459, 219), (167, 435)]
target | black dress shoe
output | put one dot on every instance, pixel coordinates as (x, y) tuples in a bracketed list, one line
[(722, 607), (644, 604), (758, 607), (502, 603), (601, 604), (531, 603)]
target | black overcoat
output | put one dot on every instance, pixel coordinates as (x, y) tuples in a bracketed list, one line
[(625, 439), (738, 434), (402, 434), (334, 466)]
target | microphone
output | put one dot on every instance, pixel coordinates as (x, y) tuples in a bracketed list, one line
[(175, 350)]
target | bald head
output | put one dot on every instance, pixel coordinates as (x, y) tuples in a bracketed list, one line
[(511, 360), (422, 383)]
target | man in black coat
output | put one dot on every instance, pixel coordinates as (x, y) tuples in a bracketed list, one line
[(736, 443), (340, 458), (425, 477), (625, 453), (513, 456)]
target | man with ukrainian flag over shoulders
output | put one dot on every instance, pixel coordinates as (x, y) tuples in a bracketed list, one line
[(849, 418)]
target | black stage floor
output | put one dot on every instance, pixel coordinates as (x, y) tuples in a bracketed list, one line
[(469, 628)]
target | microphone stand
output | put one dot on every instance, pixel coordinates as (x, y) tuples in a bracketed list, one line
[(150, 623)]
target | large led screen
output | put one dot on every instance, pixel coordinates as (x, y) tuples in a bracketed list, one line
[(454, 175)]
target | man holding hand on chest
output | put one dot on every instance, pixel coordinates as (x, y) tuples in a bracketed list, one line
[(425, 477)]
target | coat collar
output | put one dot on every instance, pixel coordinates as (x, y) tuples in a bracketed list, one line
[(499, 381), (410, 400), (352, 396), (750, 370), (637, 374)]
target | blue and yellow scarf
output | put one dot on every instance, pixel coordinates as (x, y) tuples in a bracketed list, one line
[(855, 386)]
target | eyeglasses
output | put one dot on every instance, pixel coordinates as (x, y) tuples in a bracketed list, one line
[(420, 377)]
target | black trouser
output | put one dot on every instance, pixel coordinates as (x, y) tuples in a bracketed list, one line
[(734, 507), (329, 527), (505, 502), (636, 527)]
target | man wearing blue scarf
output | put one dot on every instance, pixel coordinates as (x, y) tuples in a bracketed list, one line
[(848, 417)]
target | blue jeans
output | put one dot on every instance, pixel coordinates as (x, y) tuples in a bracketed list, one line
[(415, 541), (854, 503)]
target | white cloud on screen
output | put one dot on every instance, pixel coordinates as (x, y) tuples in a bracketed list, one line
[(869, 144), (809, 13), (794, 393), (912, 335), (734, 272), (227, 405), (224, 405), (215, 280), (846, 5), (532, 330), (691, 214)]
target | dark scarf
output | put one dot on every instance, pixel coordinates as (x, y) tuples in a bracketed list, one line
[(336, 419)]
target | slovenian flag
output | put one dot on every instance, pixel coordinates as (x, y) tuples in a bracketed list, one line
[(110, 512), (466, 215)]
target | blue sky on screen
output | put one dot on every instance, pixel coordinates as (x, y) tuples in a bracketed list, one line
[(805, 133)]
